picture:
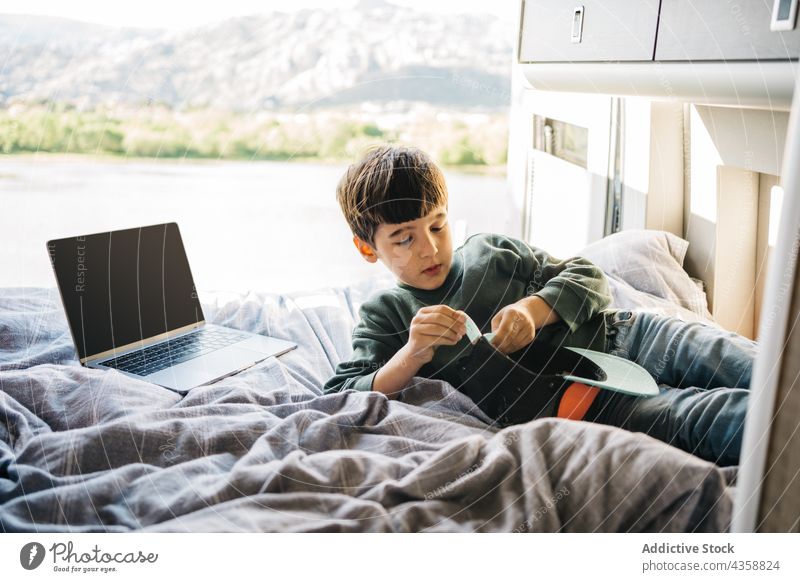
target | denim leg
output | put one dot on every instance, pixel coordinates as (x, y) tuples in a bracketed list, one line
[(705, 422), (682, 354), (703, 374)]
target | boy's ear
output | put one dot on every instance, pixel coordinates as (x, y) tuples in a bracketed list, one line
[(365, 250)]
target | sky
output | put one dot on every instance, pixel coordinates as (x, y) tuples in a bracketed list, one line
[(182, 14)]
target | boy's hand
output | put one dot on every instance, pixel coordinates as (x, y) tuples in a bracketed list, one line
[(434, 325), (513, 328)]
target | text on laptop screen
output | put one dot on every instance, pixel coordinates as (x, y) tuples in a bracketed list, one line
[(124, 286)]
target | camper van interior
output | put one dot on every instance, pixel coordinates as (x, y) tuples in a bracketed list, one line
[(675, 116), (660, 139)]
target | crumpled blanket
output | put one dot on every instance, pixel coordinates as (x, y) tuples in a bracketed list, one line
[(86, 450)]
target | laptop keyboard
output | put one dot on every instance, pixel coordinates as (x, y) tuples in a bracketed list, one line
[(186, 347)]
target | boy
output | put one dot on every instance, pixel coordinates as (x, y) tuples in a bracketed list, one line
[(395, 202)]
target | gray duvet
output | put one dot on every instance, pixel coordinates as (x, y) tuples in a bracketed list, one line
[(88, 450)]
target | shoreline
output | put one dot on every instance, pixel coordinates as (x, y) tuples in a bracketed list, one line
[(493, 171)]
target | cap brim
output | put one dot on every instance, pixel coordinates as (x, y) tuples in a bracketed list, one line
[(621, 375)]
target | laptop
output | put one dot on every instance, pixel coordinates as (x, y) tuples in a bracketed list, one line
[(132, 306)]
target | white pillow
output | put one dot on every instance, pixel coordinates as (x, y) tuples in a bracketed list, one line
[(650, 261)]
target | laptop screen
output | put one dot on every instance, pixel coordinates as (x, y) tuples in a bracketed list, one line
[(124, 286)]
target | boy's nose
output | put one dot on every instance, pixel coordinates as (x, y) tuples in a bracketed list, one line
[(429, 248)]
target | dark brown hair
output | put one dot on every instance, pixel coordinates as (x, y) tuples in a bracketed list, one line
[(390, 184)]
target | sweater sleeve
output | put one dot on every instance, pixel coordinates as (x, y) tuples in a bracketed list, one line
[(375, 341), (575, 288)]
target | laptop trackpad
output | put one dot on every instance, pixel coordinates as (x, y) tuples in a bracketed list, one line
[(266, 345), (207, 368)]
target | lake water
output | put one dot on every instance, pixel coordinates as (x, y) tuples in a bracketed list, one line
[(265, 226)]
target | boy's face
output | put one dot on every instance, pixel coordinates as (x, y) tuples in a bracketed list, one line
[(418, 252)]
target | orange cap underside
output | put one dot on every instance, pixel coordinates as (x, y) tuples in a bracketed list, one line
[(576, 401)]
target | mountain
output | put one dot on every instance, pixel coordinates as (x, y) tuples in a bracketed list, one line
[(376, 52)]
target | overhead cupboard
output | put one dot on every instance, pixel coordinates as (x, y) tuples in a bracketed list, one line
[(657, 30), (710, 30), (608, 30), (759, 37)]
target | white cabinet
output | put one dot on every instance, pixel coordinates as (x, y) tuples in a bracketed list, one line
[(710, 30), (699, 51), (588, 31)]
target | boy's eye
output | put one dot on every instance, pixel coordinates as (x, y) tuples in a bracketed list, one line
[(409, 238)]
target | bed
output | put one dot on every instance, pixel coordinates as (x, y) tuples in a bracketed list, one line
[(94, 451)]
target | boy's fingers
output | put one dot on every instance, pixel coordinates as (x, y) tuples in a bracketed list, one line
[(498, 337), (504, 344), (442, 320), (500, 345), (437, 333), (442, 327), (497, 320), (500, 340), (448, 311), (505, 331), (505, 324)]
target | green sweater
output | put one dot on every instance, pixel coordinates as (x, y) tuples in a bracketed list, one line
[(488, 272)]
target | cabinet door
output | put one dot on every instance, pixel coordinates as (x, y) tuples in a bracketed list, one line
[(712, 30), (612, 30)]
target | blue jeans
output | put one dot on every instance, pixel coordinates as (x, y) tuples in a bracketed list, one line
[(703, 374)]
